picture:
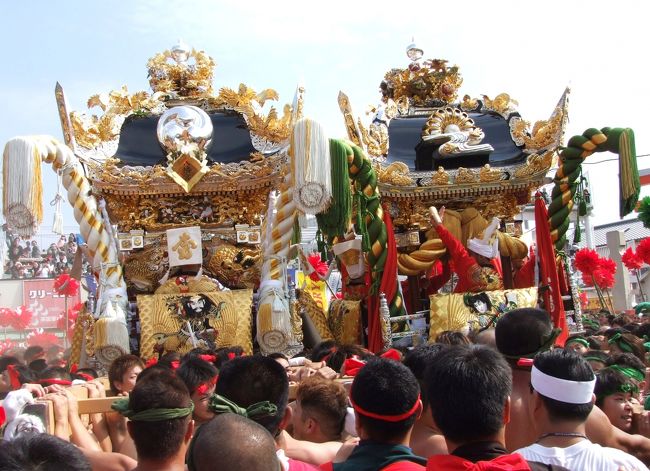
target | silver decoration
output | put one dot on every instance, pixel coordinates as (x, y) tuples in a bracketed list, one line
[(184, 125), (384, 316)]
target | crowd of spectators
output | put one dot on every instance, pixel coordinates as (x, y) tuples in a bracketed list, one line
[(25, 259)]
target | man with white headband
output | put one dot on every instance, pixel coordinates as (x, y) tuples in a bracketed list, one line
[(562, 385), (474, 269)]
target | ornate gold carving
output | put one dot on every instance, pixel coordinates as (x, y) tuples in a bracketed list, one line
[(353, 132), (236, 267), (466, 175), (143, 269), (545, 134), (502, 104), (455, 131), (91, 131), (441, 177), (249, 103), (179, 78), (396, 173), (501, 206), (487, 174), (375, 138), (432, 84), (469, 103), (535, 164)]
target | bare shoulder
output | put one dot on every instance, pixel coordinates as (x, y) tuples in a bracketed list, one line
[(106, 461)]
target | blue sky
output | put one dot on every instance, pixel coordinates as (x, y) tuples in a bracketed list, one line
[(530, 50)]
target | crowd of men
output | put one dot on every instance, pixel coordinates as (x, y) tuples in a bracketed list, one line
[(504, 399)]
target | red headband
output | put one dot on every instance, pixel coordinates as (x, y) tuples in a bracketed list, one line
[(150, 362), (353, 365), (208, 358), (392, 354), (203, 388), (73, 368), (385, 417), (14, 378), (231, 355), (175, 364), (525, 362), (50, 381), (85, 376)]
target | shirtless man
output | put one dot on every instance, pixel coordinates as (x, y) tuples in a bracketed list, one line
[(520, 335)]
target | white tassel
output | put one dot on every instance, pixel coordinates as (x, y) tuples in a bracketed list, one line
[(23, 187), (310, 152)]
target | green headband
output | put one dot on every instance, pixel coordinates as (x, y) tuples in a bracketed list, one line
[(629, 372), (599, 360), (150, 415), (546, 345), (580, 340), (221, 405), (621, 343)]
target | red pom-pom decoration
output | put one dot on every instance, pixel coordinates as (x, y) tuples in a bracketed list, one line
[(65, 285), (631, 260), (320, 267), (643, 250), (21, 318), (587, 260)]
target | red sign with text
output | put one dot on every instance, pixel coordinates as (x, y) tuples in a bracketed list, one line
[(47, 306)]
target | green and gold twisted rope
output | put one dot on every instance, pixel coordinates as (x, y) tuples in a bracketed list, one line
[(617, 140), (368, 216)]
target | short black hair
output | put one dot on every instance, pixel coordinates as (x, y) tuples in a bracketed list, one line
[(468, 387), (160, 439), (230, 441), (629, 360), (523, 332), (6, 361), (452, 337), (597, 355), (41, 452), (32, 353), (335, 355), (418, 360), (610, 381), (565, 364), (195, 372), (55, 372), (385, 387), (252, 379)]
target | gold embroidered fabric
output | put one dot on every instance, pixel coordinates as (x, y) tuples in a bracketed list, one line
[(451, 312), (164, 320), (345, 321)]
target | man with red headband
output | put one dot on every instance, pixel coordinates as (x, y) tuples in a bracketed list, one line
[(386, 400)]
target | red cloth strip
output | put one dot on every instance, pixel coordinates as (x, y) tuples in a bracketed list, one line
[(387, 418)]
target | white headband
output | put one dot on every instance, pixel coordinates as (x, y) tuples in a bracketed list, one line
[(563, 390)]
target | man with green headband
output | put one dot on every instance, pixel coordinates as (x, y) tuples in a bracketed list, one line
[(159, 410), (615, 392), (578, 344)]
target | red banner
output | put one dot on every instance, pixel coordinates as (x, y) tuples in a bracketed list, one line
[(40, 297)]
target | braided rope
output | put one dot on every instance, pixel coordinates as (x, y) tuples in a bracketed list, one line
[(617, 140), (369, 221)]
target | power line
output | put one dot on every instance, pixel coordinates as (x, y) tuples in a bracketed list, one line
[(611, 160)]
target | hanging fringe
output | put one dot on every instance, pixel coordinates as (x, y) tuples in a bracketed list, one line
[(630, 186), (310, 154), (22, 186), (111, 334), (273, 318), (335, 221)]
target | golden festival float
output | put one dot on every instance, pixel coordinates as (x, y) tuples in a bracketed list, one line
[(191, 202)]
